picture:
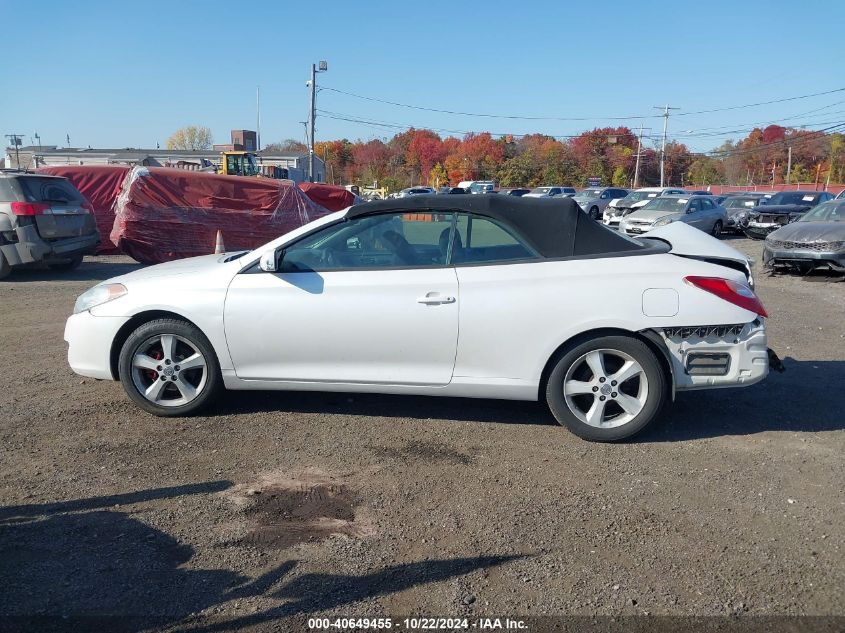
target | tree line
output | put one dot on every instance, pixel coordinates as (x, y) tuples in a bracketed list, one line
[(423, 157)]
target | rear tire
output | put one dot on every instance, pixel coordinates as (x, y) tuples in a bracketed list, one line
[(68, 264), (169, 368), (5, 267), (607, 389), (594, 213)]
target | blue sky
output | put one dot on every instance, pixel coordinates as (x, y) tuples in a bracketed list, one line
[(120, 74)]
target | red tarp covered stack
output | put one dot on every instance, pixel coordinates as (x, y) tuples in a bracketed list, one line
[(164, 213), (331, 197), (100, 184)]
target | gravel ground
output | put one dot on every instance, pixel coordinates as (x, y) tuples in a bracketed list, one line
[(278, 506)]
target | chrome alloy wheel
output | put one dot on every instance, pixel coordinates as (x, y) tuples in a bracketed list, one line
[(605, 388), (169, 370)]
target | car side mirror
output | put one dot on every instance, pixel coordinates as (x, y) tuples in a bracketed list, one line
[(353, 243), (269, 262)]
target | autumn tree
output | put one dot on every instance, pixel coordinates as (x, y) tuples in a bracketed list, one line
[(191, 137), (438, 176), (287, 146), (705, 170), (423, 152)]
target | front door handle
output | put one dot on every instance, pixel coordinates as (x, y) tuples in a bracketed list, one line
[(435, 298)]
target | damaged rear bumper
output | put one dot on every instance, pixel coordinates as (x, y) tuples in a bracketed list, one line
[(710, 357)]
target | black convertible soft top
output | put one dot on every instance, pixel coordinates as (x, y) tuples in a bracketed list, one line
[(554, 227)]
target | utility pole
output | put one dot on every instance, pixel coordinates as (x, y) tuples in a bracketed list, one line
[(313, 83), (16, 143), (665, 109), (639, 149), (258, 118), (788, 163)]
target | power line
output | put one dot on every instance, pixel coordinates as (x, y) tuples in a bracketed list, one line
[(384, 125), (557, 118), (811, 135), (762, 103), (339, 116)]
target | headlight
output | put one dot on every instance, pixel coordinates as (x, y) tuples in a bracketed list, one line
[(98, 295), (663, 221)]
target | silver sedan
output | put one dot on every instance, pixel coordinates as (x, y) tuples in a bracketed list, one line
[(701, 212)]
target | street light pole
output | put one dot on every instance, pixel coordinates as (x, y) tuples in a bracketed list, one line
[(258, 118), (311, 121), (313, 83)]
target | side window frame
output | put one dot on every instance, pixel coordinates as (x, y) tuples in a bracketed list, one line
[(515, 235), (279, 251)]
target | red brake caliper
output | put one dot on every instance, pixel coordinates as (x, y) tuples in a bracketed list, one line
[(152, 374)]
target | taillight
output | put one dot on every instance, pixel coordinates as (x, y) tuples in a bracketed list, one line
[(29, 208), (735, 292), (89, 208)]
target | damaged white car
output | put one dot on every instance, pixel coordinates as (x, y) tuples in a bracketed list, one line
[(475, 296)]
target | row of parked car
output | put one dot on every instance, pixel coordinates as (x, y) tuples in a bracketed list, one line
[(817, 241)]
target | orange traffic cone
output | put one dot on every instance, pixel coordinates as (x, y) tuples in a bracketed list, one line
[(218, 246)]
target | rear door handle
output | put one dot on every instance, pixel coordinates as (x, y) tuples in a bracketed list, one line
[(435, 298)]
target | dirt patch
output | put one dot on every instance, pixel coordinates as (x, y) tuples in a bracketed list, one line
[(424, 450), (282, 511)]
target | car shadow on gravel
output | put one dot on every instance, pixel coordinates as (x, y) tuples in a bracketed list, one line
[(806, 398), (85, 565), (87, 271), (383, 405)]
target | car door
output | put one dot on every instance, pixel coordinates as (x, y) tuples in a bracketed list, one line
[(710, 214), (368, 300), (495, 269), (693, 215)]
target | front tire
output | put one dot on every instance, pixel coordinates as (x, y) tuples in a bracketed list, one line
[(607, 389), (594, 213), (717, 229), (169, 368)]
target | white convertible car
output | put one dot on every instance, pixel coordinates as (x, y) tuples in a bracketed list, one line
[(473, 296)]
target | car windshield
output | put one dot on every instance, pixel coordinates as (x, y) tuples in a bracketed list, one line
[(541, 190), (833, 211), (667, 204), (737, 203), (638, 196), (792, 197), (589, 193)]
